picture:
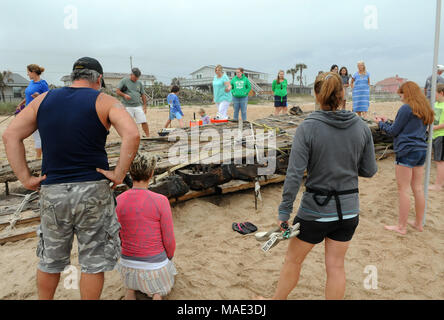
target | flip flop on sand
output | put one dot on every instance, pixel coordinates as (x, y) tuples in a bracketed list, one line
[(273, 237), (249, 226), (239, 228)]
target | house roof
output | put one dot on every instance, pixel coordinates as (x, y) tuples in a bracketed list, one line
[(115, 75), (391, 81), (16, 80), (225, 68)]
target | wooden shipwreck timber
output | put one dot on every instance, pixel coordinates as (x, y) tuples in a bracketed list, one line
[(193, 162)]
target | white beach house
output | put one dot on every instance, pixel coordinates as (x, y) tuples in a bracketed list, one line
[(202, 78)]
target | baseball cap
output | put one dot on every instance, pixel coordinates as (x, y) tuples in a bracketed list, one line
[(90, 64), (440, 67), (136, 72)]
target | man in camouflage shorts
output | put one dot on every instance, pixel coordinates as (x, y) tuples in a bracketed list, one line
[(76, 196), (86, 209)]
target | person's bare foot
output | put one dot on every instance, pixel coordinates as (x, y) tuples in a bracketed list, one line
[(414, 225), (260, 298), (434, 187), (396, 229), (157, 296)]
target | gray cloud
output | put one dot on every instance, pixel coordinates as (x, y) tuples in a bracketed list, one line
[(174, 37)]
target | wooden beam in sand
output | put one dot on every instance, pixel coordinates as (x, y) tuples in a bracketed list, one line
[(238, 185), (17, 234), (193, 195), (7, 175), (229, 187), (26, 217)]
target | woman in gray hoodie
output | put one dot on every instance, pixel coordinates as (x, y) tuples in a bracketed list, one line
[(335, 147)]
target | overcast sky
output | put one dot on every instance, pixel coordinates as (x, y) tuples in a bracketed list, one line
[(172, 38)]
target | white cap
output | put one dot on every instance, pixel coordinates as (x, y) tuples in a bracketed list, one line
[(440, 67)]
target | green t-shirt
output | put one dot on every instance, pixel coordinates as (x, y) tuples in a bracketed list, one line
[(439, 119), (134, 90), (279, 89)]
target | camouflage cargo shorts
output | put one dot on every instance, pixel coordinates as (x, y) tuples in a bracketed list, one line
[(86, 209)]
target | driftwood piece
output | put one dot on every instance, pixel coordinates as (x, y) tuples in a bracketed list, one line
[(26, 217), (17, 234), (6, 210), (171, 187), (207, 178), (238, 185), (193, 195), (7, 175)]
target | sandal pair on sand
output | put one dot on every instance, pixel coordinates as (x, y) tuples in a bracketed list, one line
[(244, 227), (273, 237)]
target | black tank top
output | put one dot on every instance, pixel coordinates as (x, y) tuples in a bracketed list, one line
[(73, 138)]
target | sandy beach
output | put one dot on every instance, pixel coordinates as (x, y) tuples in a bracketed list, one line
[(214, 262)]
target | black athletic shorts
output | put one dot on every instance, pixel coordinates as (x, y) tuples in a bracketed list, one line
[(279, 103), (438, 149), (315, 232)]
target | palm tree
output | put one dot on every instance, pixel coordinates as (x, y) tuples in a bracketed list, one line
[(4, 77), (300, 67), (292, 71), (175, 82)]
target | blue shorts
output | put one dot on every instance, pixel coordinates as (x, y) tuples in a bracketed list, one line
[(412, 159), (279, 103), (175, 115)]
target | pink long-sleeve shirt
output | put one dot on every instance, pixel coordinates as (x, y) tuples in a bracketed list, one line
[(147, 232)]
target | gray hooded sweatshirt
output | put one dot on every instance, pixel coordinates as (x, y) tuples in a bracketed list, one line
[(334, 147)]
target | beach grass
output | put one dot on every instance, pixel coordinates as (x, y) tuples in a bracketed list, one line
[(7, 108)]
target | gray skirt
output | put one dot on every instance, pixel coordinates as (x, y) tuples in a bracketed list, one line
[(159, 281)]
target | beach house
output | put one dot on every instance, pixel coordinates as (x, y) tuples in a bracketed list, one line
[(202, 78), (14, 87), (112, 79), (389, 85)]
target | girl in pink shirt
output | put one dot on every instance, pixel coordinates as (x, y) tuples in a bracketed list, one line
[(147, 235)]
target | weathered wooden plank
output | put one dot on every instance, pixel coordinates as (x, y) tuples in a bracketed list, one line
[(238, 185), (25, 217), (193, 195), (17, 234), (7, 175), (6, 210)]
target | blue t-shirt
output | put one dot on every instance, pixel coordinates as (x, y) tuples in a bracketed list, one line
[(174, 102), (408, 130), (219, 89), (33, 87)]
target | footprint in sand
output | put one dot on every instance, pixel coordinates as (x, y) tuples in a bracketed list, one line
[(365, 252)]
